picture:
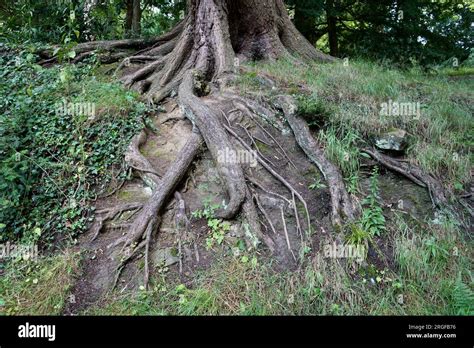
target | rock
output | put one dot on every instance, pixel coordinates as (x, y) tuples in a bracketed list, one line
[(165, 257), (147, 191), (395, 140)]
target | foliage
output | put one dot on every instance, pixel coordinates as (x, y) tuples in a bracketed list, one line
[(358, 235), (30, 21), (425, 31), (313, 110), (463, 297), (372, 219), (217, 227), (51, 162), (316, 185), (51, 21)]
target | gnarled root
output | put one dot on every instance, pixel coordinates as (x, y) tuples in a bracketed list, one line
[(217, 141), (117, 49), (110, 214), (149, 213), (147, 220), (415, 174), (140, 163), (342, 207)]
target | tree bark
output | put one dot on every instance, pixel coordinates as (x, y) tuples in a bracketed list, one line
[(332, 28), (136, 18), (129, 17)]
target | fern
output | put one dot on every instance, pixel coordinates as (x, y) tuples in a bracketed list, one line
[(372, 219), (463, 298)]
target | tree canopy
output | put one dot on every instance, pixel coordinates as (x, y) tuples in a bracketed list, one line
[(401, 31)]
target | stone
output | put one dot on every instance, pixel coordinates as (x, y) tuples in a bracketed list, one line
[(165, 257), (394, 140)]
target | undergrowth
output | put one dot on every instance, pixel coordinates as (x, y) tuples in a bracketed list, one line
[(53, 162), (424, 281)]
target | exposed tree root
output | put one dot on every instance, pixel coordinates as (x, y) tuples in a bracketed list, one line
[(342, 207), (115, 48), (415, 174), (181, 223), (249, 113), (149, 214), (137, 161), (147, 220), (110, 214), (251, 216), (197, 56), (208, 123), (286, 234), (292, 190)]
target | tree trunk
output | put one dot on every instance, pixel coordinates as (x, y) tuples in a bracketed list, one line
[(332, 28), (216, 32), (129, 17), (305, 24), (136, 18)]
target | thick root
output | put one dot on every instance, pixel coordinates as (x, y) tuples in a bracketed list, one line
[(415, 174), (216, 140), (250, 213), (149, 214), (295, 194), (342, 207)]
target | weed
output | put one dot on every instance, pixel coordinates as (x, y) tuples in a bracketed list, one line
[(316, 185), (372, 219), (217, 227)]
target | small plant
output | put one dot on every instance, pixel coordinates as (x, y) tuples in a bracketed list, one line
[(217, 232), (463, 297), (352, 184), (316, 185), (207, 212), (372, 219), (218, 227), (358, 235)]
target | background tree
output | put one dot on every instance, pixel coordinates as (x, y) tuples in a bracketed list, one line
[(397, 30)]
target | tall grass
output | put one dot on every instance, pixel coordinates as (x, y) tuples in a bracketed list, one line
[(441, 139)]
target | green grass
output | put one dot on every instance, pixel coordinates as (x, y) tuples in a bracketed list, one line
[(441, 140), (431, 277), (37, 288), (436, 269)]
